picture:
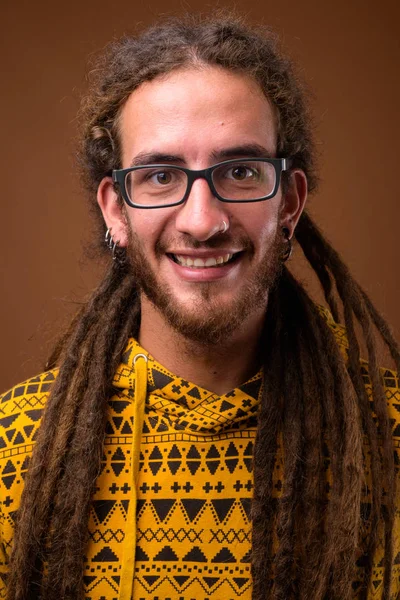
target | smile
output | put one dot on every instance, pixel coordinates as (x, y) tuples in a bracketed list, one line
[(201, 263)]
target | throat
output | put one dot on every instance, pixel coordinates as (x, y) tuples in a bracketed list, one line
[(218, 368)]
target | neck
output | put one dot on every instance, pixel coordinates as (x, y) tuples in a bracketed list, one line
[(218, 368)]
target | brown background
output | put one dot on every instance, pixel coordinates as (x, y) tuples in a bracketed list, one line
[(350, 56)]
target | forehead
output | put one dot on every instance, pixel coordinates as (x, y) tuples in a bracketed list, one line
[(196, 112)]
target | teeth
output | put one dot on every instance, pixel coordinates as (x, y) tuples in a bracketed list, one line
[(200, 263), (211, 262)]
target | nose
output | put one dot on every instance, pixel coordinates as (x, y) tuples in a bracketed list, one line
[(202, 215)]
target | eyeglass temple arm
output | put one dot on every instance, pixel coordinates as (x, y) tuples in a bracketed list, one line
[(286, 164)]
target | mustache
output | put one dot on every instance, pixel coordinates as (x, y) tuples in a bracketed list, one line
[(222, 240)]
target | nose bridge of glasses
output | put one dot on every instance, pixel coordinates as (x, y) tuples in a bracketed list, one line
[(194, 175), (201, 213)]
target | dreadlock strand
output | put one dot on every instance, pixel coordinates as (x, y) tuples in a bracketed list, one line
[(358, 383), (39, 490), (76, 530), (393, 346), (352, 298), (34, 513), (53, 470), (345, 537), (77, 385), (386, 433), (325, 279), (344, 441), (72, 510), (313, 564), (310, 525), (344, 494), (263, 504), (370, 428), (300, 385), (91, 437), (285, 582)]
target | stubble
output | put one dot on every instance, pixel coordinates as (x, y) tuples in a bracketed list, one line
[(213, 321)]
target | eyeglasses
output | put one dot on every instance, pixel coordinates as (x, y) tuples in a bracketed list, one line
[(237, 180)]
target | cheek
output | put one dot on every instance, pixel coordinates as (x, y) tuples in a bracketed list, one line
[(152, 225), (261, 225), (144, 224)]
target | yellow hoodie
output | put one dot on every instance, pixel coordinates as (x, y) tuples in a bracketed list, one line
[(182, 532)]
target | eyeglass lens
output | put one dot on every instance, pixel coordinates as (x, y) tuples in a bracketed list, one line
[(244, 180)]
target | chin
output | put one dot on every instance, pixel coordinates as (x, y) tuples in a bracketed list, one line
[(206, 320)]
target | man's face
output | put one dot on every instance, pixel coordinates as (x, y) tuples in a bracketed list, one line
[(196, 118)]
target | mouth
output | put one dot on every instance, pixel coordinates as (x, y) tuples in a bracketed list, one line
[(204, 263)]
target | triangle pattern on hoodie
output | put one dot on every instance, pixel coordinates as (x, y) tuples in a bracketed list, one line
[(195, 484), (195, 476)]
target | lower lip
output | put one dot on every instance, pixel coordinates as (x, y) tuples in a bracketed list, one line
[(204, 274)]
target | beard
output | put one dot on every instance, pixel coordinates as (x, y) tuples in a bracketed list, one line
[(212, 321)]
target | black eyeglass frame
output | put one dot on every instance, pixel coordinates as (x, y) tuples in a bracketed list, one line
[(279, 164)]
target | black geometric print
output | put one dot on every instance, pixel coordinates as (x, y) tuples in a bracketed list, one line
[(194, 490)]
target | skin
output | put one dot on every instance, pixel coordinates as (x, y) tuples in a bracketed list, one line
[(197, 115)]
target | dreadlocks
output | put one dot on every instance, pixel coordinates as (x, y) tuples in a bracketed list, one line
[(314, 404)]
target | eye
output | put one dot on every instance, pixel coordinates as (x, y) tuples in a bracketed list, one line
[(241, 172), (161, 177)]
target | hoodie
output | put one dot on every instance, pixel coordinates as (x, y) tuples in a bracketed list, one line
[(170, 516)]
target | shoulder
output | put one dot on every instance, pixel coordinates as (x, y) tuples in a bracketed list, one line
[(390, 378), (20, 413)]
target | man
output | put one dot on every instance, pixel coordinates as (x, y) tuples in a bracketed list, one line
[(208, 431)]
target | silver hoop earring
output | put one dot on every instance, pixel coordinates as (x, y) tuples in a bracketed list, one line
[(118, 254), (114, 250), (108, 239)]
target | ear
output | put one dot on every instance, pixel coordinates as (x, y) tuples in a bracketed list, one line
[(293, 201), (113, 213)]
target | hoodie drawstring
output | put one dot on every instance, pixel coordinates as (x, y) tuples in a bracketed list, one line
[(129, 549)]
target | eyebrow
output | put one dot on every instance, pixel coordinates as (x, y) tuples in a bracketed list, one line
[(250, 150), (153, 158)]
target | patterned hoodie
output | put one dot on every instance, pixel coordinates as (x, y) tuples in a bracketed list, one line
[(170, 514)]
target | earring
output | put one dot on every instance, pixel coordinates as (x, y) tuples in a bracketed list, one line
[(118, 254), (114, 250), (108, 240), (289, 249), (224, 227)]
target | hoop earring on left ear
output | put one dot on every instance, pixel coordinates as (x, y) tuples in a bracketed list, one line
[(108, 239), (289, 249)]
